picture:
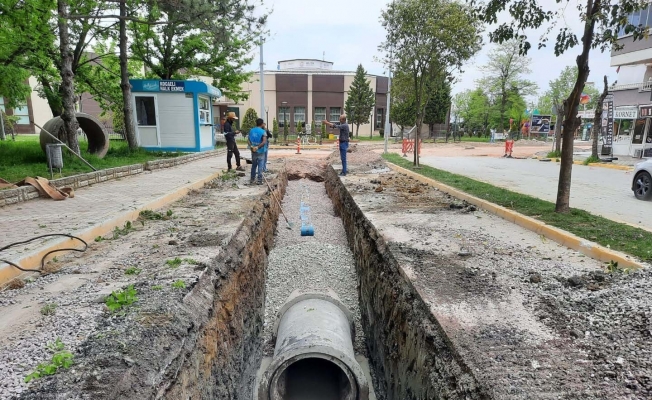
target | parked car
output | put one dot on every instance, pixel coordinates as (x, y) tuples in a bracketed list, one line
[(642, 183)]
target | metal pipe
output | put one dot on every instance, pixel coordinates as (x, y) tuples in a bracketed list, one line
[(66, 146), (314, 356), (262, 82)]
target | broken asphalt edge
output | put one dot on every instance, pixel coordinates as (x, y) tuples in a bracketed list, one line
[(564, 238), (600, 165), (32, 260)]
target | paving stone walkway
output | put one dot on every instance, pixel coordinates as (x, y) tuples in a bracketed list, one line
[(95, 204)]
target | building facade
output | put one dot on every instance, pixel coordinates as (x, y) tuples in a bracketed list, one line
[(632, 91), (306, 90)]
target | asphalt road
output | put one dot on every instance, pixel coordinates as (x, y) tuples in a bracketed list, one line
[(601, 191)]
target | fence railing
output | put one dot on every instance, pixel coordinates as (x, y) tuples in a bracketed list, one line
[(641, 86)]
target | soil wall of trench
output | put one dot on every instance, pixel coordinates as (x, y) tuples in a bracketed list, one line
[(408, 349), (206, 347)]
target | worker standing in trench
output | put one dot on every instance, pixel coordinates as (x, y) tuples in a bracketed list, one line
[(343, 139)]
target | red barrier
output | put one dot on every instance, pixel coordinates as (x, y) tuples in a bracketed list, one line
[(408, 146)]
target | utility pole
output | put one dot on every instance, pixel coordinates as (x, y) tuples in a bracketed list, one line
[(389, 86), (262, 81)]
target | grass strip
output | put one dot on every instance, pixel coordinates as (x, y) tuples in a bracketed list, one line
[(617, 236), (24, 157)]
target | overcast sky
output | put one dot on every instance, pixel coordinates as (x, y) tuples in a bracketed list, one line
[(349, 32)]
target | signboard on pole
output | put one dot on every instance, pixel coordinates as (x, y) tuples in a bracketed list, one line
[(607, 124), (172, 86), (540, 124)]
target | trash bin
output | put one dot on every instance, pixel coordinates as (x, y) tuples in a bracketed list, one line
[(55, 157)]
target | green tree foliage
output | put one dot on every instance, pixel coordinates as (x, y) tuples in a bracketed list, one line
[(428, 39), (503, 74), (211, 38), (402, 111), (26, 32), (299, 127), (601, 21), (102, 77), (439, 104), (249, 121), (275, 130), (324, 135), (558, 91), (361, 100), (476, 117), (313, 128)]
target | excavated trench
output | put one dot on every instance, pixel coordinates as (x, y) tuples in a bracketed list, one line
[(279, 316)]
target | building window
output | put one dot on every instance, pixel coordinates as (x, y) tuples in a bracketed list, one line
[(145, 111), (335, 114), (204, 110), (641, 17), (379, 118), (300, 115), (320, 114), (283, 116), (22, 112)]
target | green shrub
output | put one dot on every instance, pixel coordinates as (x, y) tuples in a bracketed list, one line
[(249, 121), (121, 298)]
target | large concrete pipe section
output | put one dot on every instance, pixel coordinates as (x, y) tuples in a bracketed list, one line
[(313, 356), (98, 138)]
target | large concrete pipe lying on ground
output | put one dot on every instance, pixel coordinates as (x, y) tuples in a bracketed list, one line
[(314, 357), (98, 138)]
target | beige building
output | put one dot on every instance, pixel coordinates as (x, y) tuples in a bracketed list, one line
[(307, 90)]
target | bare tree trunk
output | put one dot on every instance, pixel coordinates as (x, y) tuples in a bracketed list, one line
[(597, 120), (571, 121), (416, 142), (130, 129), (560, 119), (67, 89)]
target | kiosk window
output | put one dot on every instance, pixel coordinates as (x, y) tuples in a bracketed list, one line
[(204, 110), (145, 111)]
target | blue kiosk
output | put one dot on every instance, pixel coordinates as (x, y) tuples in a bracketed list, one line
[(174, 115)]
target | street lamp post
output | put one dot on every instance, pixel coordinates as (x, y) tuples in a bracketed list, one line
[(285, 138)]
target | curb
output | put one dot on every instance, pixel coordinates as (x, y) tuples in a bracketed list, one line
[(33, 259), (599, 165), (567, 239)]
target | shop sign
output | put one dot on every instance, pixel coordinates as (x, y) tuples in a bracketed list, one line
[(540, 124), (608, 120), (646, 111), (172, 86), (629, 112)]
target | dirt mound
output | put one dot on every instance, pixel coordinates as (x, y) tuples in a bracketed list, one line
[(359, 156), (305, 169)]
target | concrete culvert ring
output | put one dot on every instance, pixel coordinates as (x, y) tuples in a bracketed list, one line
[(313, 376), (98, 138), (313, 355)]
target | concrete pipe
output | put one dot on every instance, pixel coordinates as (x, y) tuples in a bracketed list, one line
[(98, 138), (314, 357)]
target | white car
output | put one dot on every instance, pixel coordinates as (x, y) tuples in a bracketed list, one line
[(642, 183)]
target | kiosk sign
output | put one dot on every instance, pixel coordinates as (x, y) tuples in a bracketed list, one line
[(172, 86)]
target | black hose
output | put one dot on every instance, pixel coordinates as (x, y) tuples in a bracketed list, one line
[(40, 271)]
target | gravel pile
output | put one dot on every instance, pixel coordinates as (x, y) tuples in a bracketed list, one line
[(73, 319), (321, 261)]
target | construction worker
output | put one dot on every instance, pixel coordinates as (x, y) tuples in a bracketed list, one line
[(231, 146), (343, 139)]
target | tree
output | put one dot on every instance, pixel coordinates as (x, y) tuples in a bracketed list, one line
[(402, 111), (476, 118), (211, 38), (25, 30), (439, 104), (323, 131), (67, 91), (504, 73), (249, 121), (299, 127), (361, 100), (460, 106), (597, 121), (559, 89), (428, 39), (275, 129), (285, 130), (313, 128), (601, 20)]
